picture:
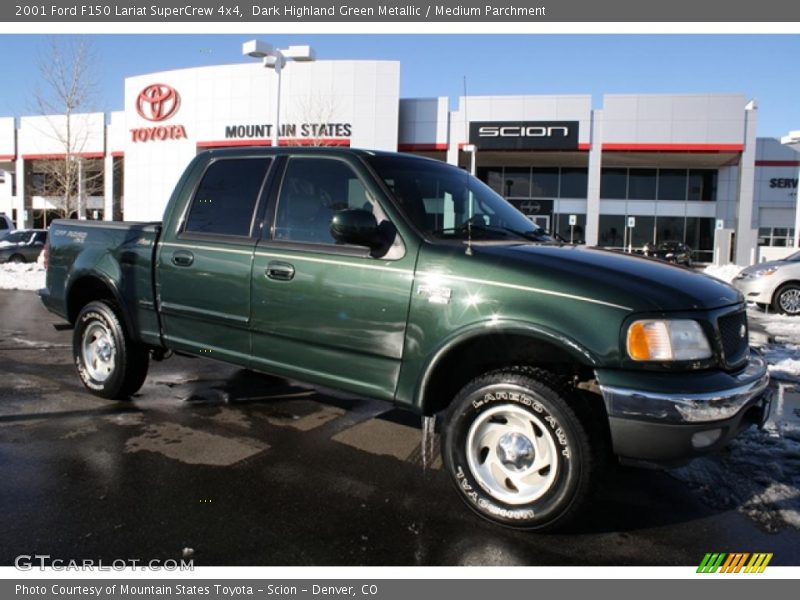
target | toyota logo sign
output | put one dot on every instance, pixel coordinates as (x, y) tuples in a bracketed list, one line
[(157, 102)]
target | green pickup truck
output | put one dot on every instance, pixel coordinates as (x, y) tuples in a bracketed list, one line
[(405, 279)]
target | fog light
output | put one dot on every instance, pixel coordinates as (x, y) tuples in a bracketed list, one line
[(703, 439)]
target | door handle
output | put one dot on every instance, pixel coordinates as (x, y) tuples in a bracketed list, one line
[(182, 258), (280, 271)]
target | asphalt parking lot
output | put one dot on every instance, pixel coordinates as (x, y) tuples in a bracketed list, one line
[(244, 469)]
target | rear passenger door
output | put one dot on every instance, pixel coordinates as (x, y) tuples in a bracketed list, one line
[(204, 264)]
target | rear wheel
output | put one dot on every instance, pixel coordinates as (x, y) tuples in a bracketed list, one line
[(16, 258), (516, 450), (109, 363), (787, 299)]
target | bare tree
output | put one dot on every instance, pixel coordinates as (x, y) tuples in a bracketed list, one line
[(314, 114), (68, 91)]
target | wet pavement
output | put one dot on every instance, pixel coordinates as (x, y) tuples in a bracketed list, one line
[(246, 469)]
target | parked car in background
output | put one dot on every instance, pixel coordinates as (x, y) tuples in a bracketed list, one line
[(774, 284), (6, 225), (671, 251), (23, 245)]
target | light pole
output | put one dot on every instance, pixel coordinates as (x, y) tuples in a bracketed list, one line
[(274, 58), (791, 140)]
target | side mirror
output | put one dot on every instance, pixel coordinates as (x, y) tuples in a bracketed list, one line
[(357, 227)]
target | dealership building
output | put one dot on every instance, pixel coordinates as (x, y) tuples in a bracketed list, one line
[(617, 171)]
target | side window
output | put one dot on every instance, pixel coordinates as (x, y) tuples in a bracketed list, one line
[(227, 196), (313, 190)]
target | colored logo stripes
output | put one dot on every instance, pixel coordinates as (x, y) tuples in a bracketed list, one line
[(735, 562)]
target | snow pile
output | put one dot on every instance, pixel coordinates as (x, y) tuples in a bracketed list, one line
[(758, 474), (783, 351), (24, 276), (726, 272)]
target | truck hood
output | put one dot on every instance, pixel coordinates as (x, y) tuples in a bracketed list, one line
[(632, 281)]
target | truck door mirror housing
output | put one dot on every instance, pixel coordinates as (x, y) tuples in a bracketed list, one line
[(357, 227)]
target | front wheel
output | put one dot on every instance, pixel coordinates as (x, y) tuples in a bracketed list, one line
[(517, 452), (109, 363), (787, 299)]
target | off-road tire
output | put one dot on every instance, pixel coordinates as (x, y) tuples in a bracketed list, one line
[(535, 406), (109, 363)]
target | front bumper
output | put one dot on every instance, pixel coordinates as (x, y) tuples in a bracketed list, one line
[(669, 426)]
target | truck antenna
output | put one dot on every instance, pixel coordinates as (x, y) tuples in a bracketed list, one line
[(468, 251)]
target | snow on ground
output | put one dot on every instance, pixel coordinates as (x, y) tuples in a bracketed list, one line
[(758, 474), (24, 276), (726, 272)]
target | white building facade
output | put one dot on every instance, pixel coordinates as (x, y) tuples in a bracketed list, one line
[(635, 169)]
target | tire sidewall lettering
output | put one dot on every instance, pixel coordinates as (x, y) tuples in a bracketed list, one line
[(84, 320), (474, 493)]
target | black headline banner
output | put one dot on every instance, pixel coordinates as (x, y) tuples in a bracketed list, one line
[(442, 11)]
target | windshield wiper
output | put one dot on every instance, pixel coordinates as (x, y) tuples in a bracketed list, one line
[(533, 235), (476, 227)]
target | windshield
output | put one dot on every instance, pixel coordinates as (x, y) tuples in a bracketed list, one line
[(446, 202), (793, 257)]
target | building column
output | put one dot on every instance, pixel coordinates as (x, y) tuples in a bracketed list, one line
[(108, 187), (18, 202), (454, 132), (746, 235), (593, 183)]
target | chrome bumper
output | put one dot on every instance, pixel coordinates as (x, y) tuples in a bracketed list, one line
[(687, 407)]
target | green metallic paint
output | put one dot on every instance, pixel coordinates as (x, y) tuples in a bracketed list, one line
[(360, 324)]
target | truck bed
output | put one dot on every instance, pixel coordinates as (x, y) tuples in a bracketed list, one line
[(118, 253)]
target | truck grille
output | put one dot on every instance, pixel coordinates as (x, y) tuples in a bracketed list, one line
[(734, 345)]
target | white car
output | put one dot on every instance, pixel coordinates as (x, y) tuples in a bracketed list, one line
[(775, 284)]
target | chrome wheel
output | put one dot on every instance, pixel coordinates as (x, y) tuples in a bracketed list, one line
[(789, 301), (98, 351), (512, 455)]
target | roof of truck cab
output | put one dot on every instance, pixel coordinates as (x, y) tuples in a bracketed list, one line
[(309, 150)]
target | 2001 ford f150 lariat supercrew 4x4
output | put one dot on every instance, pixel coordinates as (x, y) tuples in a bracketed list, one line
[(406, 279)]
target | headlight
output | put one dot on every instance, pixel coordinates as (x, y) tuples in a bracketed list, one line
[(765, 272), (667, 340)]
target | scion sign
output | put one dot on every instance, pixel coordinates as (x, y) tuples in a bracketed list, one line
[(524, 135)]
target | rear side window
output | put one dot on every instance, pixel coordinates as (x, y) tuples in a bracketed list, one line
[(227, 196)]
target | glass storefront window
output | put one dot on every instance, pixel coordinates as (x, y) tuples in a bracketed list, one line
[(670, 229), (493, 177), (700, 238), (614, 183), (576, 234), (642, 233), (612, 231), (545, 183), (517, 182), (574, 183), (672, 184), (703, 184), (642, 184), (776, 236)]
